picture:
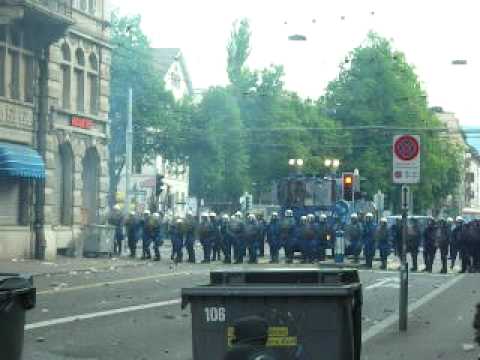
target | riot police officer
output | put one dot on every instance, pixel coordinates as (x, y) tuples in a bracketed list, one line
[(312, 239), (251, 238), (262, 232), (443, 242), (273, 238), (204, 234), (382, 239), (322, 237), (429, 244), (148, 234), (190, 237), (353, 237), (301, 237), (456, 240), (157, 235), (287, 235), (226, 239), (414, 236), (131, 226), (369, 239), (216, 239), (237, 233), (396, 235), (116, 219), (178, 234)]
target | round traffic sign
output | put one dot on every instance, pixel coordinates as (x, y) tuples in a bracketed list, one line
[(406, 147)]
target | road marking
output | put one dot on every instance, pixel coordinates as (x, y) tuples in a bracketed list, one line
[(70, 319), (392, 319), (116, 282)]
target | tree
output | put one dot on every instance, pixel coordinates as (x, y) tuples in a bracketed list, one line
[(154, 109), (377, 87), (219, 164)]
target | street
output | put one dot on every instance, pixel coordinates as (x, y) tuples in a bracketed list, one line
[(134, 313)]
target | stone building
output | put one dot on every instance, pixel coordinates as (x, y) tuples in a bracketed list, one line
[(54, 88)]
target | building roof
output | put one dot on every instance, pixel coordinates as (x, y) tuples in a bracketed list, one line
[(164, 59), (473, 138)]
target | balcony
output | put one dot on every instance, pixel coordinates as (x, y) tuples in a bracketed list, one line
[(54, 12)]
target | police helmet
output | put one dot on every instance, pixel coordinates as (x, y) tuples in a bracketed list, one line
[(310, 217), (383, 220), (323, 217), (132, 213), (288, 213), (212, 214), (369, 215), (117, 207), (251, 216), (459, 219), (238, 214), (146, 212), (156, 215), (353, 216), (179, 220), (204, 215), (232, 217), (303, 219), (449, 220), (274, 215)]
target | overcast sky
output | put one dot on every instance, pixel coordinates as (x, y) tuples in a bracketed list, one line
[(430, 33)]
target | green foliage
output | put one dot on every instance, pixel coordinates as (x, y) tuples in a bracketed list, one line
[(376, 86), (153, 107)]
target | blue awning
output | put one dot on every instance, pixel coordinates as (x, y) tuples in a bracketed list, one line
[(20, 161)]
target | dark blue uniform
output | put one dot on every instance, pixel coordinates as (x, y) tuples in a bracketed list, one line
[(227, 240), (157, 236), (205, 236), (190, 238), (178, 234), (455, 242), (273, 239), (369, 230), (288, 233), (383, 244), (236, 232), (353, 237), (148, 235), (322, 242), (116, 220), (132, 225), (429, 247), (252, 231)]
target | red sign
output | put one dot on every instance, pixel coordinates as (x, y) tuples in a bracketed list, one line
[(81, 122), (406, 147)]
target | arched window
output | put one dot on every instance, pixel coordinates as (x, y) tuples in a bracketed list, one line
[(93, 83), (80, 80), (65, 171), (66, 67)]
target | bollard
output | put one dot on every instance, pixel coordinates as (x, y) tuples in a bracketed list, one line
[(339, 247)]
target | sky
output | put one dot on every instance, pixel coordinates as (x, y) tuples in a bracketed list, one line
[(430, 33)]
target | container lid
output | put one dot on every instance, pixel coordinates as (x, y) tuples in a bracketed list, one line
[(312, 276), (284, 291), (10, 282)]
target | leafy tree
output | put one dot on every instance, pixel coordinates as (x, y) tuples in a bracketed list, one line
[(153, 107), (377, 87)]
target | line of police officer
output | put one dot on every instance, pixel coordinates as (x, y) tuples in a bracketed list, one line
[(236, 239)]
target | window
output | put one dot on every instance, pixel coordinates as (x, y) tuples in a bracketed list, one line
[(80, 80), (83, 5), (28, 78), (92, 6), (3, 33), (2, 71), (15, 75), (93, 84), (66, 76), (9, 201), (65, 173)]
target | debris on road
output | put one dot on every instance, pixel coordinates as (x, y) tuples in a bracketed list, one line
[(468, 347)]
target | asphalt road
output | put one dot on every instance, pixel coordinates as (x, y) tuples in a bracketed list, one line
[(134, 313)]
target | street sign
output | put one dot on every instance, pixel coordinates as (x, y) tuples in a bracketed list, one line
[(406, 159), (405, 197)]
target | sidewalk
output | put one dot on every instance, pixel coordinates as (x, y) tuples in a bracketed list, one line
[(439, 329)]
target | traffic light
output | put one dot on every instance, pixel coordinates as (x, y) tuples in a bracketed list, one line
[(158, 184), (347, 184)]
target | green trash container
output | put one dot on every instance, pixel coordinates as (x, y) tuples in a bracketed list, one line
[(17, 295), (311, 313)]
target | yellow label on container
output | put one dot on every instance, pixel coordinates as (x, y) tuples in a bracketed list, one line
[(277, 336)]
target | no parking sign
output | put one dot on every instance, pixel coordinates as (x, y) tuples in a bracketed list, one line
[(406, 159)]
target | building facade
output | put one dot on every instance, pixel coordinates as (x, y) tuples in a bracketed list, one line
[(54, 88)]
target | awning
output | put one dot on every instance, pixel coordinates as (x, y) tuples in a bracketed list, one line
[(20, 161)]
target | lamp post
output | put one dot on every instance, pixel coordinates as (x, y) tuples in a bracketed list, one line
[(333, 165), (297, 164)]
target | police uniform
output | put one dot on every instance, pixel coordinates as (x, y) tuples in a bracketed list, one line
[(132, 230), (353, 237), (237, 234), (226, 238), (157, 235), (251, 239), (288, 234), (413, 243), (369, 241), (382, 239), (273, 239), (429, 247), (190, 238), (116, 219), (204, 235)]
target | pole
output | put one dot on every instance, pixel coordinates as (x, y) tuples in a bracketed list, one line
[(403, 303), (128, 146)]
